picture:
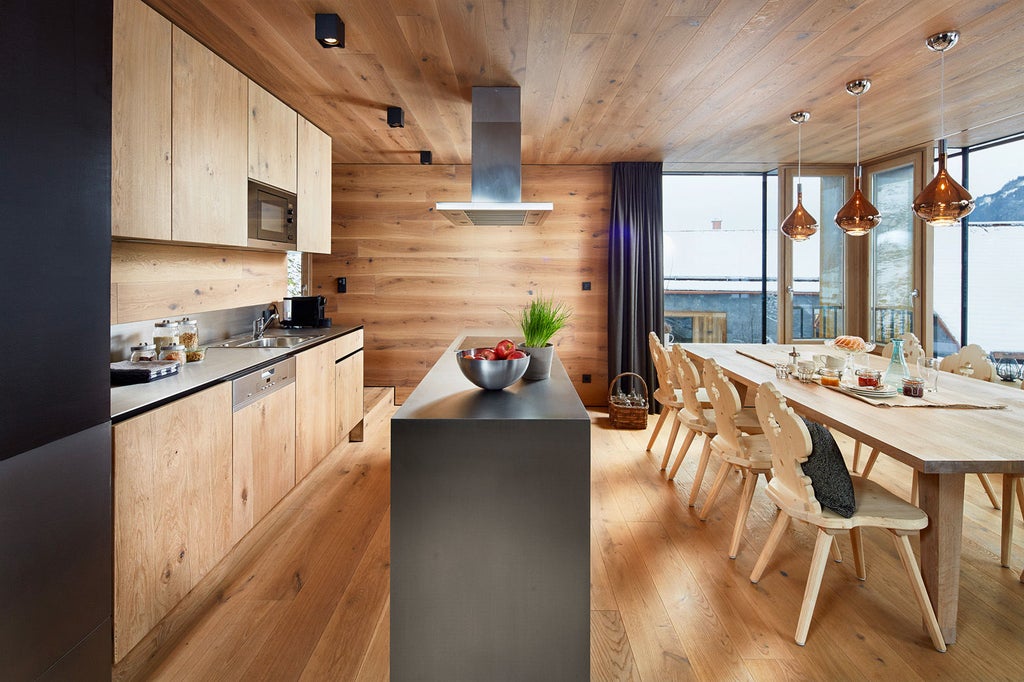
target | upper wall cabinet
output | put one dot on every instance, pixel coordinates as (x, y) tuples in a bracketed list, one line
[(314, 193), (210, 146), (140, 184), (272, 139)]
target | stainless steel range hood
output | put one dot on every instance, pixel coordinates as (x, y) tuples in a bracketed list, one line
[(497, 159)]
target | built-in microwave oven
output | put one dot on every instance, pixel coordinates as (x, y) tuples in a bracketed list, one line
[(271, 217)]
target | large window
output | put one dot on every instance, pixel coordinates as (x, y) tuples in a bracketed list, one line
[(720, 279), (976, 299), (893, 292)]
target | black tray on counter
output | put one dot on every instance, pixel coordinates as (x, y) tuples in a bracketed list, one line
[(126, 372)]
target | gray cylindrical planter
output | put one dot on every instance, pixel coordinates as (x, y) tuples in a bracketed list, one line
[(540, 362)]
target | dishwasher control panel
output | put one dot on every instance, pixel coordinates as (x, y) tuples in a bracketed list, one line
[(249, 388)]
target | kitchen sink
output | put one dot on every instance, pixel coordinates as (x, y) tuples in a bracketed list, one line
[(268, 342)]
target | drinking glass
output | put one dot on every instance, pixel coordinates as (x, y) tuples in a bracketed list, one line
[(929, 368)]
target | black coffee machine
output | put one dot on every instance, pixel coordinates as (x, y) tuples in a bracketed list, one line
[(305, 311)]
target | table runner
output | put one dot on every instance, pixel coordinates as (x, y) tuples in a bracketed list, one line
[(944, 397)]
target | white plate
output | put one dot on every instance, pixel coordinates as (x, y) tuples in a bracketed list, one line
[(888, 392)]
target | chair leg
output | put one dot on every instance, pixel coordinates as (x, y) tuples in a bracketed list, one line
[(858, 553), (657, 428), (906, 553), (716, 487), (778, 530), (871, 463), (856, 455), (683, 449), (835, 552), (702, 466), (1020, 496), (818, 563), (671, 440), (913, 487), (749, 484), (1006, 536), (989, 490)]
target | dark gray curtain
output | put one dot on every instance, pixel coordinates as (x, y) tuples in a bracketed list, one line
[(635, 272)]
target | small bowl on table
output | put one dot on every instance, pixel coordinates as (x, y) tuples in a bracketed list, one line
[(492, 375)]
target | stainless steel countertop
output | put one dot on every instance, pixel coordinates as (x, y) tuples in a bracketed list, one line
[(220, 364)]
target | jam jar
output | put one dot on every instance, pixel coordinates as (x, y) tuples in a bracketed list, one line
[(868, 378), (144, 352), (175, 351), (829, 376), (913, 387)]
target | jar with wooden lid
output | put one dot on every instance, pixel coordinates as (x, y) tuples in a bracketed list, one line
[(165, 334), (175, 351), (188, 334), (144, 352)]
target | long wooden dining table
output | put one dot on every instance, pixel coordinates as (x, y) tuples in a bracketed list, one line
[(942, 444)]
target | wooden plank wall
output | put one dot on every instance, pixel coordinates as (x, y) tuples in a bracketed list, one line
[(152, 281), (415, 280)]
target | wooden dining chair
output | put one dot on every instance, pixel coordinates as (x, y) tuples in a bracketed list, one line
[(912, 348), (793, 493), (736, 448), (698, 417), (667, 395)]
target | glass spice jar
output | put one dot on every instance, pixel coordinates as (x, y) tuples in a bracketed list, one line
[(144, 352), (165, 334), (188, 334), (175, 351), (913, 387)]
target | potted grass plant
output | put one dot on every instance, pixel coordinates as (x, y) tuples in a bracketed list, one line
[(539, 320)]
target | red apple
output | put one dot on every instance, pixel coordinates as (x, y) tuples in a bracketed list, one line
[(503, 348), (516, 354), (489, 354)]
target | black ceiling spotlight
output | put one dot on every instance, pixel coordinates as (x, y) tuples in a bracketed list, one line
[(396, 117), (330, 30), (426, 158)]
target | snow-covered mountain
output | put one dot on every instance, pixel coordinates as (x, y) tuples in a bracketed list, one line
[(1005, 205)]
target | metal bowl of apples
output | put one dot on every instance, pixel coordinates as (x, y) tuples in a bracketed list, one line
[(493, 368)]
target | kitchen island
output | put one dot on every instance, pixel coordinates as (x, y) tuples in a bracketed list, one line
[(490, 551)]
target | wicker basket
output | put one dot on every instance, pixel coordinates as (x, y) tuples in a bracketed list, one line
[(623, 416)]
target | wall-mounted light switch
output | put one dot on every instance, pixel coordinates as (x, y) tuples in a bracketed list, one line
[(586, 286), (342, 285), (586, 378)]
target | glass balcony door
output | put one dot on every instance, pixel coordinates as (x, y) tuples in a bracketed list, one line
[(898, 252), (813, 287)]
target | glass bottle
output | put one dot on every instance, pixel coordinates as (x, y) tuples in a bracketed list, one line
[(897, 370)]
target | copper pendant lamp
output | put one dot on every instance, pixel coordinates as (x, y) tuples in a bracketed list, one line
[(799, 225), (858, 216), (944, 201)]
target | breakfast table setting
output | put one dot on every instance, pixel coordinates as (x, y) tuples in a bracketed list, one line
[(957, 426)]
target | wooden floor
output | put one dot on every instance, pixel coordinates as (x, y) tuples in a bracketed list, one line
[(667, 602)]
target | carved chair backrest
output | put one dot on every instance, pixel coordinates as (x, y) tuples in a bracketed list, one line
[(790, 444), (689, 381), (726, 401)]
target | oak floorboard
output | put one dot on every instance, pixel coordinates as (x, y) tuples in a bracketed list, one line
[(666, 601)]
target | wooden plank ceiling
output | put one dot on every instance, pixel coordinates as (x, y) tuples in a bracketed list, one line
[(698, 84)]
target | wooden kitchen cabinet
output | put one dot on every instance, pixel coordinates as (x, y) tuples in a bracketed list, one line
[(140, 182), (314, 188), (264, 458), (315, 427), (348, 378), (172, 507), (209, 146), (272, 139)]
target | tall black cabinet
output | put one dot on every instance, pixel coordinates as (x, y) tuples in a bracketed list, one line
[(55, 477)]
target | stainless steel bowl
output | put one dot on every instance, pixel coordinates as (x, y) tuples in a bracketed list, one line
[(493, 375)]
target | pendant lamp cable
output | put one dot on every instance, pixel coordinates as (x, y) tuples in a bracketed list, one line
[(858, 133), (799, 155)]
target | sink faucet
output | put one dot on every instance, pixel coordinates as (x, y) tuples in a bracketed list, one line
[(260, 324)]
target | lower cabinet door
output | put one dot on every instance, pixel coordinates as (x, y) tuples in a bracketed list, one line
[(264, 458), (348, 386), (315, 427), (172, 507)]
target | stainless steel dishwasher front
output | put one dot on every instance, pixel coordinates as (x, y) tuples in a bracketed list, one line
[(249, 388)]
